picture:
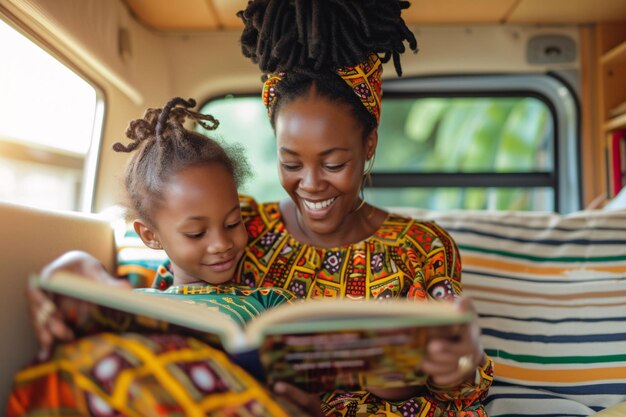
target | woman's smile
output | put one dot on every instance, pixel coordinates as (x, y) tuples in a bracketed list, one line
[(318, 205)]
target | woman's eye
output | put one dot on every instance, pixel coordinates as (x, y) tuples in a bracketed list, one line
[(197, 235), (334, 167)]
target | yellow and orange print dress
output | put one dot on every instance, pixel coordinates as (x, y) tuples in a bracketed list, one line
[(404, 258)]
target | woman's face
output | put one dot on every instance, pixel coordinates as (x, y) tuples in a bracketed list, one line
[(321, 156)]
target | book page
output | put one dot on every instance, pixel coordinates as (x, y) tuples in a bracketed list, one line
[(328, 314), (325, 345), (145, 311)]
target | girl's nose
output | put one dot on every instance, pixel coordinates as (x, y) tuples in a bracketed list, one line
[(219, 242)]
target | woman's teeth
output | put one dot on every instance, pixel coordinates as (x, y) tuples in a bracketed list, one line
[(319, 205)]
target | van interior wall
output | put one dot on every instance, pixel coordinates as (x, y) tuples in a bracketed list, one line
[(449, 49)]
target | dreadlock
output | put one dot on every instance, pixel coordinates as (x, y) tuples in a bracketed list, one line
[(165, 147), (280, 35), (308, 39)]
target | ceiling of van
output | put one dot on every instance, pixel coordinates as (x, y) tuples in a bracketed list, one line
[(207, 15)]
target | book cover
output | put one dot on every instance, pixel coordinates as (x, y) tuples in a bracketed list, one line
[(618, 160), (317, 345)]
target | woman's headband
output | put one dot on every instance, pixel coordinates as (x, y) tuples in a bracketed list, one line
[(365, 79)]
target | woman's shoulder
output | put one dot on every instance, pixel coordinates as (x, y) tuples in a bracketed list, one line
[(251, 208), (259, 217), (399, 227)]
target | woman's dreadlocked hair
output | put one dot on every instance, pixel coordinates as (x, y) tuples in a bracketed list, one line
[(282, 34), (165, 147), (308, 39)]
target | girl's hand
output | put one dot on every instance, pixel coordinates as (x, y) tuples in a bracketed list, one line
[(47, 322), (453, 353), (50, 317), (310, 403)]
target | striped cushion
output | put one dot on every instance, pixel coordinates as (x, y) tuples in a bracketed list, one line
[(551, 295)]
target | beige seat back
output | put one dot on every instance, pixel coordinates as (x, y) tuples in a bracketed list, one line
[(29, 239)]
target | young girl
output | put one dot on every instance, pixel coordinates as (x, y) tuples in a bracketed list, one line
[(182, 192), (182, 198)]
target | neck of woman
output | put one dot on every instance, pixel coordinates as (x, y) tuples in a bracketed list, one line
[(357, 226)]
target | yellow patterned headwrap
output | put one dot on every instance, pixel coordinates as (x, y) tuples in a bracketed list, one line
[(365, 79)]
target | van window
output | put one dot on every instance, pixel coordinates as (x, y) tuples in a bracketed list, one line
[(48, 118), (452, 152), (449, 143)]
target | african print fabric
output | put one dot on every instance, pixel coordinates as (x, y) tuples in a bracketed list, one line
[(365, 79), (138, 375), (404, 258)]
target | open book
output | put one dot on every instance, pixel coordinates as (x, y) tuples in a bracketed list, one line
[(317, 345)]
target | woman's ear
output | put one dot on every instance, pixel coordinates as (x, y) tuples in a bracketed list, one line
[(147, 235), (371, 143)]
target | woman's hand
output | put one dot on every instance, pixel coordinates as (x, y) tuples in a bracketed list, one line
[(310, 403), (50, 317), (453, 353)]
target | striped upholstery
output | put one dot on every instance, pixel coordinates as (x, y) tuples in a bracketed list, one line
[(551, 294)]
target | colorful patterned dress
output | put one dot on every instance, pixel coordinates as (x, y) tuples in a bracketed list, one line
[(403, 258)]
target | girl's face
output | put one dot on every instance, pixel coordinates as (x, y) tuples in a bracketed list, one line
[(199, 225), (322, 155)]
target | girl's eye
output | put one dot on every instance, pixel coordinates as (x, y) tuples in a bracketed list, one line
[(194, 235), (334, 167), (233, 225)]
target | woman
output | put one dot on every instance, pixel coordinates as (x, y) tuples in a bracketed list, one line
[(323, 92)]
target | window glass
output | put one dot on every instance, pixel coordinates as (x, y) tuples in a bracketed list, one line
[(244, 120), (465, 134), (46, 127), (424, 137)]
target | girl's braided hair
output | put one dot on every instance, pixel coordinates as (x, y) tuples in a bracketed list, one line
[(308, 39), (165, 147)]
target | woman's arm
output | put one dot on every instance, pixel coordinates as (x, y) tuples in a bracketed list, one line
[(458, 368), (454, 360)]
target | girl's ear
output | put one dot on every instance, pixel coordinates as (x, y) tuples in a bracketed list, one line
[(371, 143), (147, 235)]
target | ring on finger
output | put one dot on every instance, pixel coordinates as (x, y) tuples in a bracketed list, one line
[(465, 364), (44, 313)]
